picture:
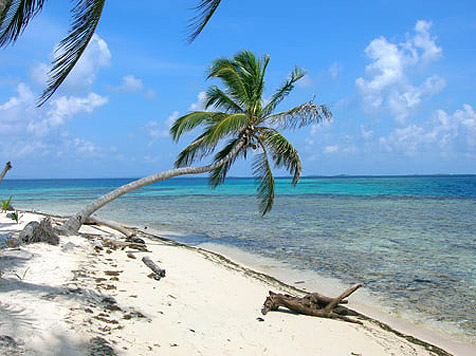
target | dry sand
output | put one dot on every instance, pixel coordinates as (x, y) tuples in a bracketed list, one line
[(55, 299)]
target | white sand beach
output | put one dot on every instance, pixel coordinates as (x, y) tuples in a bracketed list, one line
[(55, 299)]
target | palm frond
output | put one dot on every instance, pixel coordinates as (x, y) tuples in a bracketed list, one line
[(218, 175), (283, 153), (230, 74), (265, 181), (300, 116), (198, 149), (220, 100), (15, 16), (86, 15), (230, 124), (190, 121), (205, 9), (286, 87)]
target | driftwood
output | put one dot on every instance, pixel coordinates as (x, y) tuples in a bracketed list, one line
[(158, 272), (94, 220), (39, 232), (7, 167), (312, 304)]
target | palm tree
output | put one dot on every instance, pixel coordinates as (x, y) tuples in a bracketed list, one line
[(7, 167), (245, 120), (15, 15)]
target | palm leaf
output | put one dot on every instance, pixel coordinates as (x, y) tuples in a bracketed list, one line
[(231, 75), (86, 15), (190, 121), (198, 149), (300, 116), (218, 175), (219, 100), (15, 16), (283, 153), (205, 9), (230, 124), (265, 181), (286, 87)]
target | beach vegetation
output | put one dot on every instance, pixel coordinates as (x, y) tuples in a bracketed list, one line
[(16, 15), (16, 216), (241, 124), (6, 204)]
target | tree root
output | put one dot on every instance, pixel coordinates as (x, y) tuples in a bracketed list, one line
[(312, 304)]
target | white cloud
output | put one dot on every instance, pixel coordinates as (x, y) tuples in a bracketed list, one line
[(331, 149), (157, 130), (389, 86), (335, 70), (199, 105), (80, 80), (366, 134), (150, 94), (129, 84), (450, 135)]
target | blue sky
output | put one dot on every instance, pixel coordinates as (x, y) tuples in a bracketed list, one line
[(399, 77)]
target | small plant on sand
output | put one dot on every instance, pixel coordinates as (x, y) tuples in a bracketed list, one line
[(6, 204), (16, 216), (22, 277)]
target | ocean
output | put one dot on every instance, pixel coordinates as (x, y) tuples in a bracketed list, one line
[(410, 239)]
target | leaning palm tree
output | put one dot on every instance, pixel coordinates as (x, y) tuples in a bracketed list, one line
[(245, 120), (15, 15)]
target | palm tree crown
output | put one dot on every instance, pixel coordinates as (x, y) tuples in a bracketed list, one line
[(15, 15), (248, 123)]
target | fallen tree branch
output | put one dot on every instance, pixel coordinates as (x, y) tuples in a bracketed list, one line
[(312, 304), (94, 220), (159, 272)]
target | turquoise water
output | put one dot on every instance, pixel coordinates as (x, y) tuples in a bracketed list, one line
[(411, 240)]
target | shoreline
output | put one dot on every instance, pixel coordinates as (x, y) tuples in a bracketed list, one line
[(231, 265), (232, 268)]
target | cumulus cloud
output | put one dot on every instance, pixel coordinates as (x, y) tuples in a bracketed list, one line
[(129, 84), (199, 105), (449, 134), (157, 130), (388, 85)]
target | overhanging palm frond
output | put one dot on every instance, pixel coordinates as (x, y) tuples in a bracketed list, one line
[(15, 16), (265, 181), (283, 153), (231, 75), (205, 9), (190, 121), (286, 87), (86, 15), (218, 175), (300, 116), (198, 149), (219, 100), (230, 124)]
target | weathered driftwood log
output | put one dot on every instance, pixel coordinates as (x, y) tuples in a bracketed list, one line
[(159, 272), (39, 232), (7, 167), (94, 220), (312, 304)]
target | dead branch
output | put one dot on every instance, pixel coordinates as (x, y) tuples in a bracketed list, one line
[(159, 272), (94, 220), (312, 304), (39, 232)]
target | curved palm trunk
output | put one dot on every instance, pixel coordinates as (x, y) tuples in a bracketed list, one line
[(74, 223), (7, 167)]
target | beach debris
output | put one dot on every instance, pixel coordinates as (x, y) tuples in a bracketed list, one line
[(94, 220), (100, 347), (312, 304), (12, 243), (131, 255), (158, 272), (39, 232), (98, 245), (135, 239)]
